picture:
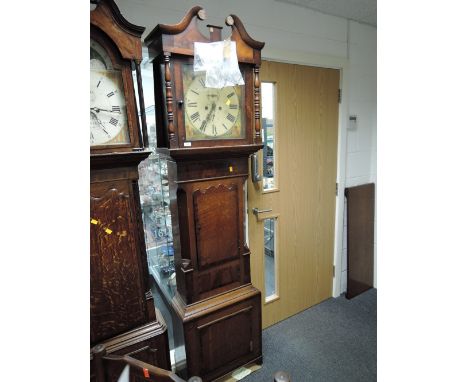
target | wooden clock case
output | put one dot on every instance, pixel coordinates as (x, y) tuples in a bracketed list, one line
[(216, 304), (122, 312)]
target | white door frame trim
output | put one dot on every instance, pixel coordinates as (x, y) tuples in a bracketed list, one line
[(341, 63)]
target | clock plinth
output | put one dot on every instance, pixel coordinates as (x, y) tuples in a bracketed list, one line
[(210, 134), (221, 333)]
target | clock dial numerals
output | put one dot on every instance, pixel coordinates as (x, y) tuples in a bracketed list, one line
[(108, 112), (195, 117), (230, 118), (211, 113), (108, 118)]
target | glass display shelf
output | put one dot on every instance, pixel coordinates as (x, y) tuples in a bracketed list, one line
[(157, 175), (157, 219)]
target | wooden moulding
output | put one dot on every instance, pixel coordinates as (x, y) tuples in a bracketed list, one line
[(212, 304), (136, 336), (179, 38), (148, 343), (258, 138), (110, 160), (248, 49), (219, 152), (126, 35)]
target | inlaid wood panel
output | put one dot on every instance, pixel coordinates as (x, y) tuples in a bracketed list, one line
[(117, 302)]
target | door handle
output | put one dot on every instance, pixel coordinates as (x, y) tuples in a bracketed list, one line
[(256, 211), (256, 177)]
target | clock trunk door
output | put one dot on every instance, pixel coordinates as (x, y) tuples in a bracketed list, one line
[(292, 246)]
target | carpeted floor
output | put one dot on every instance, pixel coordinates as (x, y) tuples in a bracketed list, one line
[(335, 340)]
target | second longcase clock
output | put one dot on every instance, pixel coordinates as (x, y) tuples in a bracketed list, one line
[(210, 134), (123, 318)]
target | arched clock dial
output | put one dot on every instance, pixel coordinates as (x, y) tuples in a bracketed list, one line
[(211, 113), (108, 114)]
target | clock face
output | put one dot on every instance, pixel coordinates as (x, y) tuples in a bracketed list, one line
[(211, 113), (108, 113)]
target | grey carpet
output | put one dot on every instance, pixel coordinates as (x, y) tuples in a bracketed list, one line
[(335, 340)]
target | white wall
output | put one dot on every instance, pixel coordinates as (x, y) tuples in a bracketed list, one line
[(281, 26), (299, 35), (361, 151)]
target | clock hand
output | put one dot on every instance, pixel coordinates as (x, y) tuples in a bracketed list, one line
[(208, 117), (98, 109), (103, 128), (94, 118), (100, 123)]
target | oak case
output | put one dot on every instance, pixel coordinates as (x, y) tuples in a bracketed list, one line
[(218, 308)]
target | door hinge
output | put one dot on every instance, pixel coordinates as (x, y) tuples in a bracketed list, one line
[(333, 271), (336, 189), (251, 346), (339, 95)]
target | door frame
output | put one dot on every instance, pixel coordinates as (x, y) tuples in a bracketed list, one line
[(342, 64)]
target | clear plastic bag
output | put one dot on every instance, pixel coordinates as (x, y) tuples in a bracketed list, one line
[(219, 61)]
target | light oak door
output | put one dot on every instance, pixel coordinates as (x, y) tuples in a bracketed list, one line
[(298, 233)]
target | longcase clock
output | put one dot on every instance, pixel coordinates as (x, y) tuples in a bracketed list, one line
[(210, 134), (122, 312)]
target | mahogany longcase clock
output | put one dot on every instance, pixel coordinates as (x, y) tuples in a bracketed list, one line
[(210, 134), (123, 316)]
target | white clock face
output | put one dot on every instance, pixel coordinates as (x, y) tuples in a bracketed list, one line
[(108, 114), (212, 113)]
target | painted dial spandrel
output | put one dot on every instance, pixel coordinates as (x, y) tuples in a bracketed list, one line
[(211, 113), (108, 113)]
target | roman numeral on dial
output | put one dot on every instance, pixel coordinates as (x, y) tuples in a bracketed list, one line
[(110, 94), (195, 116), (113, 121), (233, 107), (192, 104), (230, 117), (116, 109)]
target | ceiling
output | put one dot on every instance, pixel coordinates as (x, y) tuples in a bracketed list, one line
[(363, 11)]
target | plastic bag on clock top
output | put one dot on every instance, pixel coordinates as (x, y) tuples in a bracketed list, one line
[(219, 61)]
